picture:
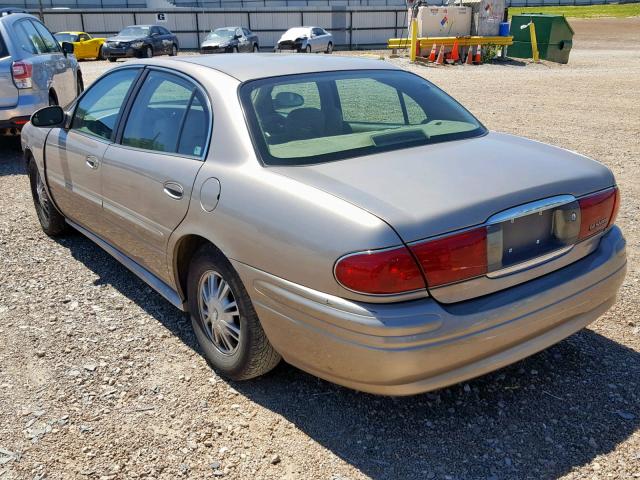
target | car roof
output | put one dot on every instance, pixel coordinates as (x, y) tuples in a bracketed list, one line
[(264, 65), (71, 33), (14, 17)]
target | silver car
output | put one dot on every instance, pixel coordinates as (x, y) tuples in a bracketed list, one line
[(306, 39), (340, 213), (35, 70)]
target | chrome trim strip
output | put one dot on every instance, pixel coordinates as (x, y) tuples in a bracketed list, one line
[(529, 208), (533, 262), (142, 273)]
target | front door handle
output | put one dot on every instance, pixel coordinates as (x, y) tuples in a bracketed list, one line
[(173, 190), (92, 162)]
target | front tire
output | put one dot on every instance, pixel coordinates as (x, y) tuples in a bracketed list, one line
[(224, 320), (174, 50), (148, 52), (308, 49), (51, 221), (329, 48), (256, 49)]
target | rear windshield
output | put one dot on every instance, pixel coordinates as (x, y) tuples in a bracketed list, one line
[(322, 117)]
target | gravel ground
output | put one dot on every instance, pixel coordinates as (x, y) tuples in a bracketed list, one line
[(101, 378)]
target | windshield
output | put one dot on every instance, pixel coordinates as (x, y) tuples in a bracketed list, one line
[(66, 37), (321, 117), (134, 32), (222, 33)]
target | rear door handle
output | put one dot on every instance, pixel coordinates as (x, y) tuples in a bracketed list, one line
[(92, 162), (173, 190)]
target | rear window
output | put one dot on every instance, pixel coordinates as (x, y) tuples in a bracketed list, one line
[(321, 117)]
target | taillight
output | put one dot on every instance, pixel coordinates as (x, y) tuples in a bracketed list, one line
[(381, 272), (453, 257), (21, 72), (598, 211)]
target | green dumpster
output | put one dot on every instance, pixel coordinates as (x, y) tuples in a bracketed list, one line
[(553, 33)]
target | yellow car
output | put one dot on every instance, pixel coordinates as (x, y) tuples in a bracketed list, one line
[(84, 45)]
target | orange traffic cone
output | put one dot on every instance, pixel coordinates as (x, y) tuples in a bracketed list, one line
[(455, 55), (432, 55), (470, 56), (478, 59), (440, 59)]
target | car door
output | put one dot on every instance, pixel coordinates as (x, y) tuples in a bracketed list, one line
[(74, 155), (149, 173), (158, 40), (85, 46), (167, 39), (61, 66)]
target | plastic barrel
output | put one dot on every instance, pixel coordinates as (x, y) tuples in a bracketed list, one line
[(504, 29)]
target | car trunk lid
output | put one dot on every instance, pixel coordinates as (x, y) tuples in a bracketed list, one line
[(433, 190)]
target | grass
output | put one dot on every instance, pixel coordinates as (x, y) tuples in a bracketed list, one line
[(583, 11)]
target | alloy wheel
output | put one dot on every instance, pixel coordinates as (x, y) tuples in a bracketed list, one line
[(219, 314)]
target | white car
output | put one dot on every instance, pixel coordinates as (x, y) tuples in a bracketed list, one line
[(306, 39)]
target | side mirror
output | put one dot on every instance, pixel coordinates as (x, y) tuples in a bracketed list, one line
[(154, 34), (49, 117), (67, 48), (287, 100)]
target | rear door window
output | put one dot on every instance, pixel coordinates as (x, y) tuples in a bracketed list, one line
[(27, 38), (168, 115), (50, 43), (4, 52), (98, 110)]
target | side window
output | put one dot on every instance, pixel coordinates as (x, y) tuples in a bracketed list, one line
[(50, 42), (84, 37), (239, 32), (193, 137), (246, 31), (366, 91), (27, 37), (415, 114), (307, 90), (98, 109), (158, 112), (155, 31), (164, 31)]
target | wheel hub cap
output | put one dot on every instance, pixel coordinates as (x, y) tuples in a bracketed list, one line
[(219, 314)]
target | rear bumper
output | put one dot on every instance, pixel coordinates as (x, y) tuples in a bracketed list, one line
[(29, 101), (416, 346)]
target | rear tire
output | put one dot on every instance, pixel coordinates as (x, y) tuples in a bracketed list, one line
[(101, 55), (51, 221), (245, 351)]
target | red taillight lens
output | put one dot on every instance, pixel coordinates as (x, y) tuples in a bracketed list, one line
[(381, 272), (598, 211), (21, 73), (454, 257)]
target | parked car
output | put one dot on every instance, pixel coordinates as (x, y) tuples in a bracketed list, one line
[(35, 71), (230, 40), (84, 45), (141, 41), (306, 39), (342, 213)]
